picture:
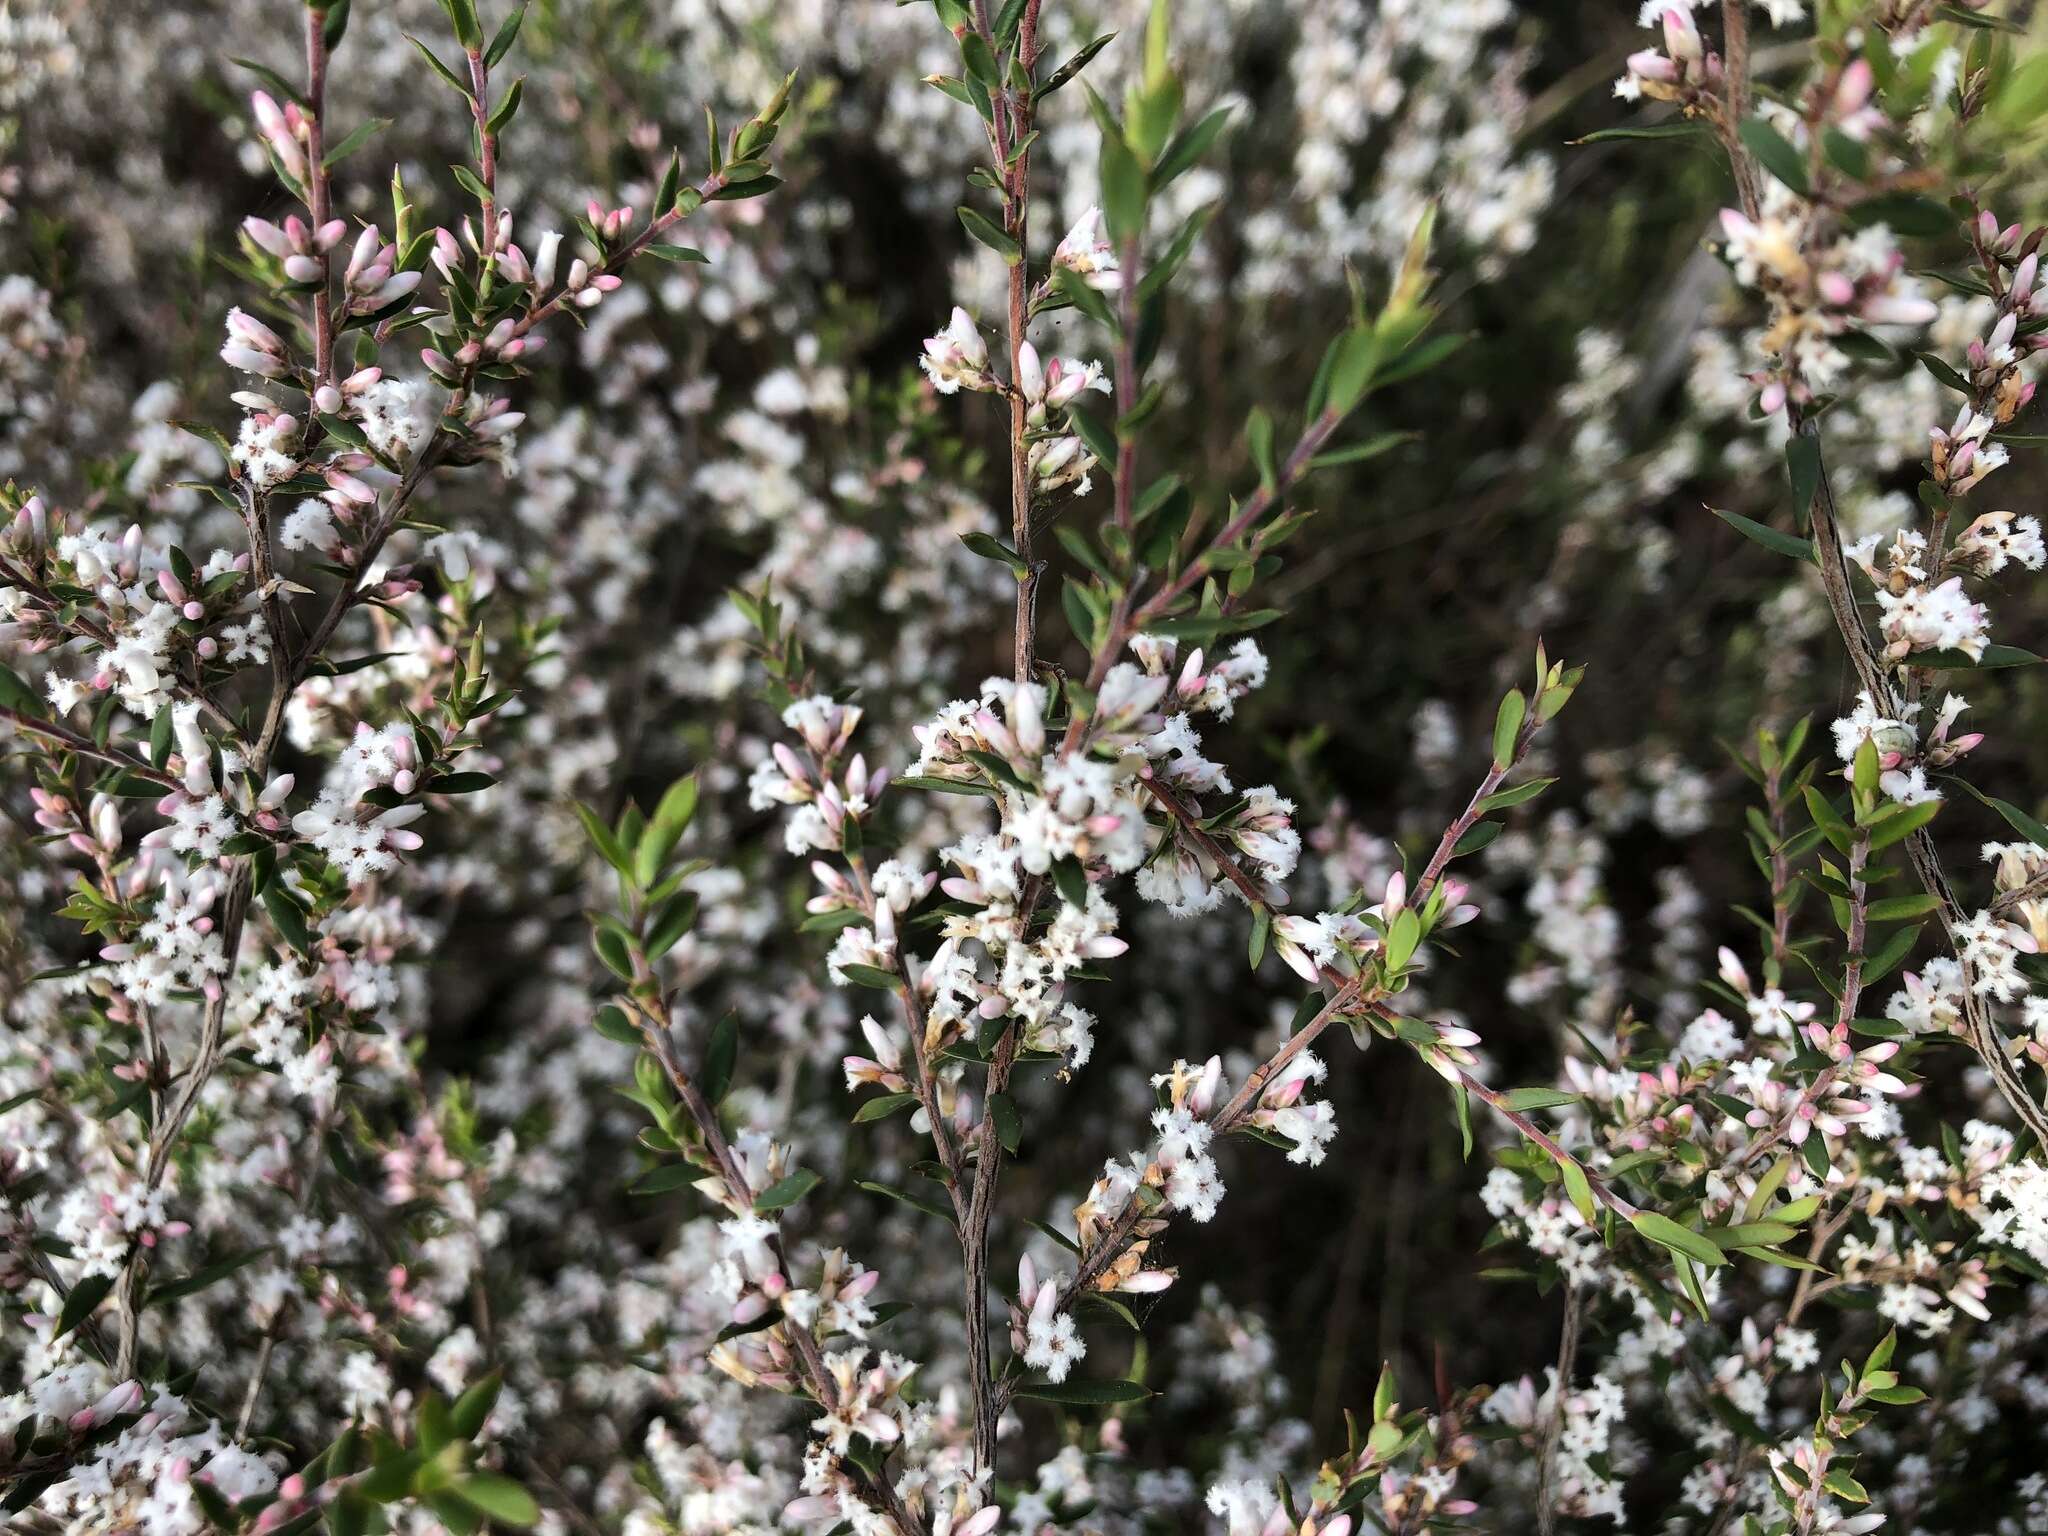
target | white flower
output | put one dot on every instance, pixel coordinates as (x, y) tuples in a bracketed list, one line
[(957, 357)]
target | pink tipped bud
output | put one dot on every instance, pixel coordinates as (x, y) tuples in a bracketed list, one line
[(1853, 90)]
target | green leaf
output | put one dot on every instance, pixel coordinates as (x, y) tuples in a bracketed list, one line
[(1770, 538), (467, 1418), (17, 695), (1755, 1234), (1356, 453), (508, 34), (201, 1279), (1578, 1187), (1888, 956), (1083, 1394), (659, 1181), (1954, 661), (498, 1497), (1902, 824), (507, 109), (1538, 1098), (356, 139), (1403, 935), (82, 1302), (1073, 66), (1188, 147), (1776, 154), (760, 186), (1507, 728), (1479, 835), (979, 226), (462, 16), (926, 1203), (1942, 371), (272, 80), (1258, 431), (1002, 1109), (2032, 830), (989, 547), (675, 917), (720, 1057), (439, 68), (1667, 1233), (871, 976), (883, 1107), (600, 834), (1071, 881), (1678, 128), (785, 1192), (287, 915), (459, 784), (1912, 214), (1500, 800), (665, 829), (1122, 181), (1802, 466), (1896, 909)]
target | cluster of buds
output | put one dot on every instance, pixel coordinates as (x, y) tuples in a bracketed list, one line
[(957, 358), (503, 342), (1415, 1474), (1685, 71), (1903, 760), (1284, 1110), (1932, 617), (1857, 1071), (1963, 454), (253, 347), (2009, 260), (1341, 943), (609, 223), (372, 277), (1087, 253), (827, 805), (1060, 460), (28, 532), (2020, 879), (301, 248), (1044, 1337), (2009, 263), (884, 1069), (329, 399), (115, 1403), (97, 834), (1203, 682), (1055, 385), (1819, 287), (1057, 458), (580, 286), (867, 1400), (1922, 615), (286, 131), (1996, 540), (825, 797)]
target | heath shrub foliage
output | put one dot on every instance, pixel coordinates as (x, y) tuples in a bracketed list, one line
[(638, 904)]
